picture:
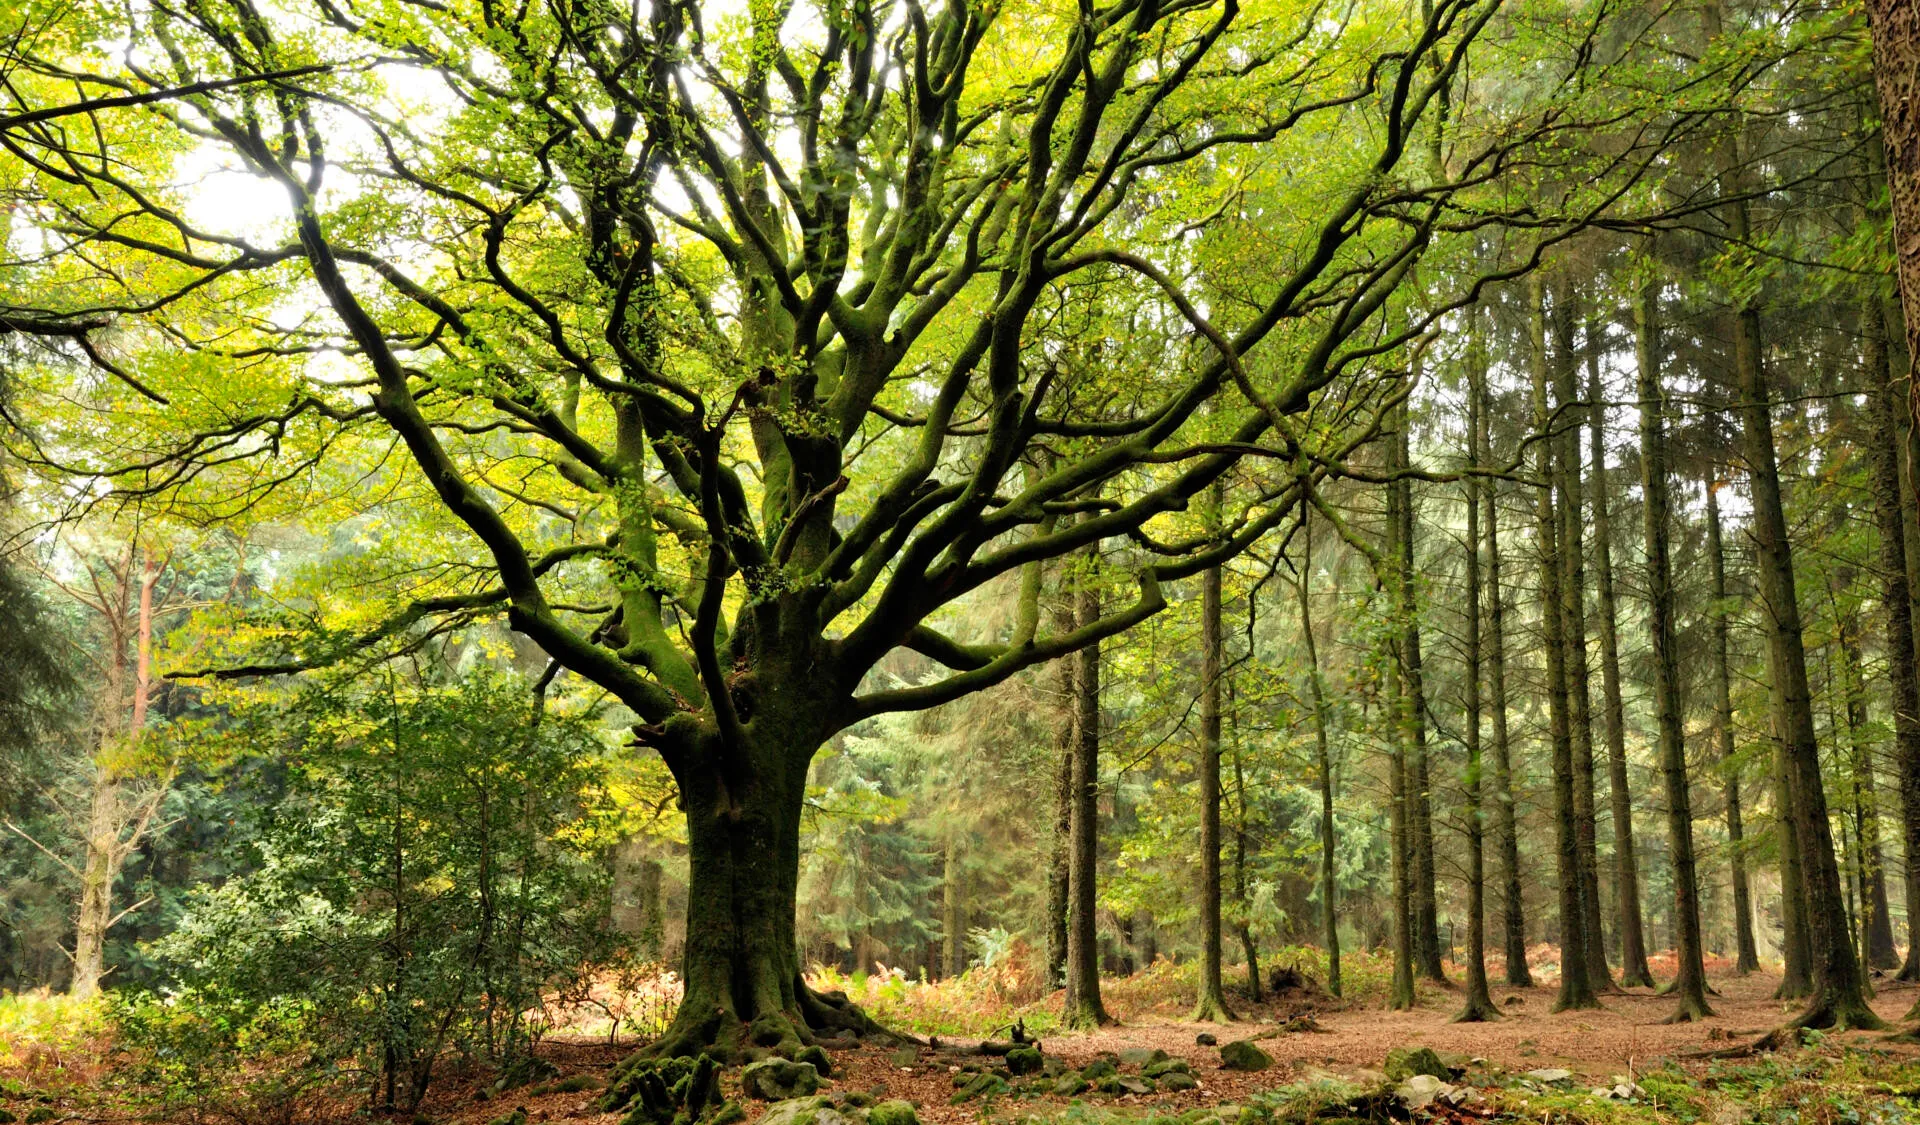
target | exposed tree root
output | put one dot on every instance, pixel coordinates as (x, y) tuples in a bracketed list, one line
[(816, 1016)]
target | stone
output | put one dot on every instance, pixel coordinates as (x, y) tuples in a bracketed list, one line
[(1098, 1068), (895, 1112), (817, 1056), (1405, 1062), (1421, 1090), (1206, 1039), (1130, 1085), (1070, 1084), (1025, 1060), (1142, 1056), (1550, 1076), (1163, 1066), (805, 1111), (904, 1057), (981, 1086), (1244, 1054), (1176, 1080), (773, 1080)]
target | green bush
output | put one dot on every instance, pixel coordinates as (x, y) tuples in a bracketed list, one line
[(429, 876)]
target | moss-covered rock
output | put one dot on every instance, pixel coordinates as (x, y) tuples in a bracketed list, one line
[(1244, 1054), (7, 1117), (1142, 1056), (1131, 1084), (816, 1055), (895, 1112), (572, 1084), (773, 1080), (1174, 1081), (1070, 1084), (1098, 1068), (517, 1117), (1163, 1066), (981, 1086), (1405, 1062), (806, 1111), (1025, 1060)]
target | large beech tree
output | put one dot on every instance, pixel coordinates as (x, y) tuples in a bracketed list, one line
[(728, 354)]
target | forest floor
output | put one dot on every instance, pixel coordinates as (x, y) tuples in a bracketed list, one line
[(1625, 1041), (1333, 1072)]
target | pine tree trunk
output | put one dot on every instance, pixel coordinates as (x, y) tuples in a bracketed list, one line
[(1212, 1003), (1748, 958), (1896, 598), (1082, 1004), (1876, 924), (1690, 981), (1579, 674), (1626, 870), (1479, 1003), (1796, 976), (953, 947), (1400, 997), (1505, 824), (1838, 999), (1576, 986), (1426, 923)]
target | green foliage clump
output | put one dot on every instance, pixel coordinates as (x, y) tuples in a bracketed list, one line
[(428, 876)]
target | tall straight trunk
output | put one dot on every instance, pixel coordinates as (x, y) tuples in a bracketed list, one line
[(1690, 981), (1513, 920), (1896, 597), (1247, 944), (953, 948), (1576, 985), (1323, 758), (1796, 977), (1426, 923), (1626, 870), (1838, 998), (1876, 923), (1400, 995), (1885, 407), (1579, 674), (1061, 842), (1479, 1003), (114, 829), (1212, 1003), (1082, 1006), (1748, 958)]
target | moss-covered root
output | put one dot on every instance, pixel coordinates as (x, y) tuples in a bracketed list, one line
[(1211, 1009), (1478, 1010), (1838, 1013), (1690, 1010)]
